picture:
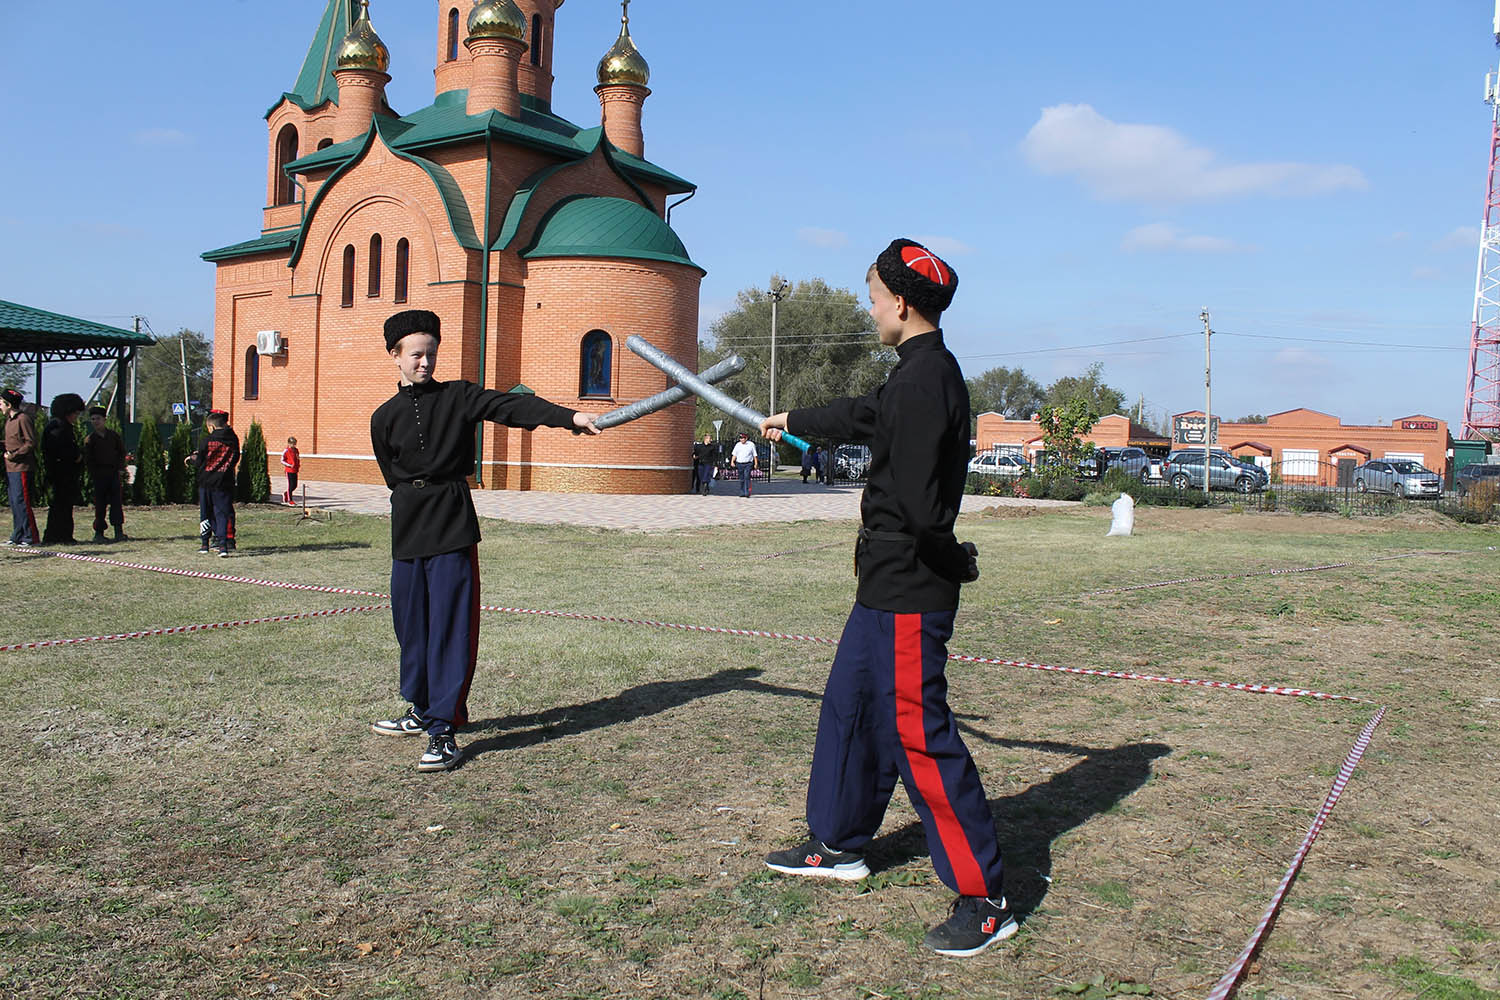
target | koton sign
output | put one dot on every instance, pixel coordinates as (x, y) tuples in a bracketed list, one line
[(1419, 425), (1190, 431)]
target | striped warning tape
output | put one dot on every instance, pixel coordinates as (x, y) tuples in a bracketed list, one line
[(179, 629), (1226, 985), (1263, 572), (200, 575)]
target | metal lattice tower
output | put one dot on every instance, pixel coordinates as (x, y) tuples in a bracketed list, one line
[(1482, 389)]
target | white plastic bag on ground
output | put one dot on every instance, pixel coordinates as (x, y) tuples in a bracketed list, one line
[(1124, 519)]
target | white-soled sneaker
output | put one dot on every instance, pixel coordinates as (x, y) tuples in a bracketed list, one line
[(819, 860), (442, 754)]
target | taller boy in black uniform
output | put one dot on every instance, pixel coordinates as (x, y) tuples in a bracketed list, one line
[(64, 458), (216, 459), (423, 438), (885, 711)]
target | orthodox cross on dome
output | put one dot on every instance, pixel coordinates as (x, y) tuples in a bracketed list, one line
[(625, 11)]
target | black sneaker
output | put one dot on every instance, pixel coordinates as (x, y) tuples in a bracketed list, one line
[(816, 858), (442, 753), (203, 550), (223, 553), (409, 724), (974, 924)]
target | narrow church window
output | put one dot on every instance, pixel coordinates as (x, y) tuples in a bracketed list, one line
[(453, 34), (324, 143), (348, 296), (286, 152), (403, 262), (374, 290), (536, 39), (252, 373), (594, 364)]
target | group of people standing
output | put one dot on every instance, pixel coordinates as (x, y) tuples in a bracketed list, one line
[(745, 457), (102, 454)]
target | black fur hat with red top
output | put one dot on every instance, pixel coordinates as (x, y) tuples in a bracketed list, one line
[(918, 275)]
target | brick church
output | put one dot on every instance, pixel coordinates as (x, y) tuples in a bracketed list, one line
[(540, 244)]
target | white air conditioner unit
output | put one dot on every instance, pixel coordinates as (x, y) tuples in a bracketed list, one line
[(269, 342)]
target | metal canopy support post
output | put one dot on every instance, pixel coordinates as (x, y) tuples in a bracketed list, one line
[(1208, 401)]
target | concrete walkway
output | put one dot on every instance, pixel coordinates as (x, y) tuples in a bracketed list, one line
[(785, 498)]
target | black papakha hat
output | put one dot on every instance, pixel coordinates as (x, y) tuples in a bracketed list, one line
[(918, 275), (65, 403), (412, 321), (98, 411), (14, 398)]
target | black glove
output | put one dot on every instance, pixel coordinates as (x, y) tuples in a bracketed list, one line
[(972, 572)]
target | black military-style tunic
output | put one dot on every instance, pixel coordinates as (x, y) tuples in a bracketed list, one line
[(917, 425), (423, 438)]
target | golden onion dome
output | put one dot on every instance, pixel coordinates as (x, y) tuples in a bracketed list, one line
[(362, 48), (623, 63), (497, 19)]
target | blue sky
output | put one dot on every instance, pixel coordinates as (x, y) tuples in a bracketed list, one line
[(1096, 172)]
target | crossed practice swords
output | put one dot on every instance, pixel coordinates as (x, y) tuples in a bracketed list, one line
[(687, 385)]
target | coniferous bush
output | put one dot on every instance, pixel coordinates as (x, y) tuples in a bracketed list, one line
[(253, 482), (180, 480), (150, 488)]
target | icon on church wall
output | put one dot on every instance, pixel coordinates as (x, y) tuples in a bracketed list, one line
[(594, 371)]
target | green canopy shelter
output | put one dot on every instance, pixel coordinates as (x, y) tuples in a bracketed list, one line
[(35, 336)]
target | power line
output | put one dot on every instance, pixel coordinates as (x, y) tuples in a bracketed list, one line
[(1352, 343)]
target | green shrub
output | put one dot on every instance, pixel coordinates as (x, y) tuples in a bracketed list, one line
[(253, 482), (1120, 481), (1065, 489), (1100, 498), (150, 487), (1268, 500), (1311, 503), (1166, 496), (1031, 486), (179, 476)]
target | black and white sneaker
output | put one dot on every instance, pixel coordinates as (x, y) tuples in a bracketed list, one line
[(442, 753), (974, 924), (409, 724), (818, 859)]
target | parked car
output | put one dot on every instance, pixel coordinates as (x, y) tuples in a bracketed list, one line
[(1133, 460), (999, 464), (1183, 469), (851, 461), (1476, 472), (1401, 477)]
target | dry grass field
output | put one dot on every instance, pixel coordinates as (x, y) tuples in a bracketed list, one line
[(208, 815)]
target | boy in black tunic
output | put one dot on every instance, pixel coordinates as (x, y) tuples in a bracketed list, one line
[(885, 711), (423, 438)]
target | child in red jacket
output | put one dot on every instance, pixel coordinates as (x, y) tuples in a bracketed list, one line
[(291, 464)]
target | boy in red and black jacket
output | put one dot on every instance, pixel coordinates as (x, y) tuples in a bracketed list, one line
[(216, 459), (291, 464)]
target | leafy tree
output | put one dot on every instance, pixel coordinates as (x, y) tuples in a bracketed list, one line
[(150, 488), (1009, 392), (180, 478), (253, 481), (1254, 418), (13, 375), (825, 348), (1090, 386), (1063, 428), (159, 376)]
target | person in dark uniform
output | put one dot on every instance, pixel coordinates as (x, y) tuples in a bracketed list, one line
[(216, 458), (423, 438), (705, 457), (104, 454), (64, 458), (885, 711)]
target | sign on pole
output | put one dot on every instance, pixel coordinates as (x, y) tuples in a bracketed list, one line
[(1189, 431), (179, 409)]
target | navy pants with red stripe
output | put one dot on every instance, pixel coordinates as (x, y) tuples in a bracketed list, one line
[(885, 715), (435, 606), (20, 487)]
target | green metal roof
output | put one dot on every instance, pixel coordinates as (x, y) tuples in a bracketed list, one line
[(46, 336), (586, 226), (315, 84), (264, 244)]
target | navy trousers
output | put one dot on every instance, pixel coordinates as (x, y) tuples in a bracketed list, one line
[(885, 715), (20, 486), (745, 469), (109, 494), (207, 531), (435, 607)]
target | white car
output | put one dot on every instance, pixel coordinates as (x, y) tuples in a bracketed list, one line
[(992, 464)]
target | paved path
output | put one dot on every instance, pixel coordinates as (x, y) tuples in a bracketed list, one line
[(785, 498)]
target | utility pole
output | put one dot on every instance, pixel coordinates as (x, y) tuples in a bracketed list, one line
[(777, 293), (1208, 400), (1140, 410), (135, 367), (182, 352)]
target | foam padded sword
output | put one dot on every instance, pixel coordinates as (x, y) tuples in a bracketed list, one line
[(688, 380), (633, 411)]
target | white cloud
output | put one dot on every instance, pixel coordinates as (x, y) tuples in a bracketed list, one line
[(160, 137), (1165, 237), (1423, 272), (944, 246), (1152, 163), (828, 239), (1461, 238)]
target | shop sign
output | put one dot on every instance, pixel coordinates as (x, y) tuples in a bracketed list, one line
[(1189, 431), (1419, 425)]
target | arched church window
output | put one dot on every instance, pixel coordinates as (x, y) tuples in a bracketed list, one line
[(348, 292), (286, 152), (594, 357), (453, 34), (252, 373), (403, 265), (324, 143), (536, 39), (374, 289)]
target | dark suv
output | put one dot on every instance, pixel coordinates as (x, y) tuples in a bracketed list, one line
[(1183, 469), (1474, 473), (1133, 460)]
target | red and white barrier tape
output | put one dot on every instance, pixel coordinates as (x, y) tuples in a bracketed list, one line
[(1265, 572), (716, 630), (1231, 978), (200, 575), (179, 629)]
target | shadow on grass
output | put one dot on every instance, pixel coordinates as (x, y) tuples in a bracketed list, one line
[(630, 704), (299, 547), (1029, 821)]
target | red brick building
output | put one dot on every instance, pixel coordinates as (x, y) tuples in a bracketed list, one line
[(540, 244)]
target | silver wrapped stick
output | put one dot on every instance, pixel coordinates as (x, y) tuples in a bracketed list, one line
[(731, 365), (687, 379)]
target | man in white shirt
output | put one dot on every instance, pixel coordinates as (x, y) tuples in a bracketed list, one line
[(746, 461)]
